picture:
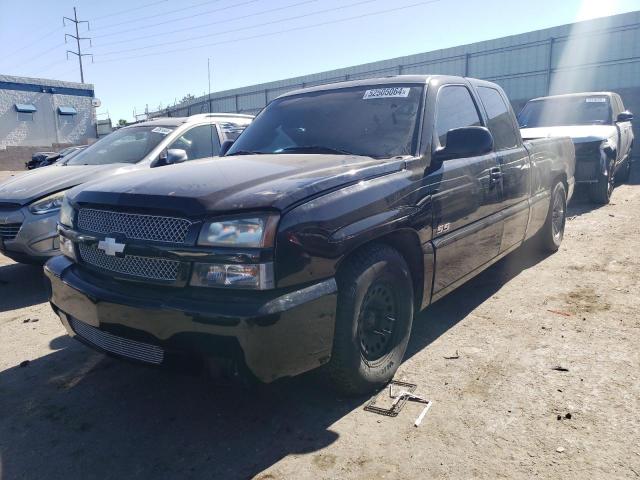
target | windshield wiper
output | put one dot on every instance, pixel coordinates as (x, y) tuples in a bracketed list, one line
[(244, 152), (317, 148)]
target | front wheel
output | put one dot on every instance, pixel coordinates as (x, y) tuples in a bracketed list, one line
[(601, 192), (373, 321), (552, 232)]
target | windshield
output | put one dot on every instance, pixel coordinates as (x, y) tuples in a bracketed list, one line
[(127, 145), (555, 112), (378, 122)]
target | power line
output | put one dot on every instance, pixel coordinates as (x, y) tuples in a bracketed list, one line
[(208, 2), (173, 20), (29, 45), (273, 22), (78, 38), (271, 34), (128, 10)]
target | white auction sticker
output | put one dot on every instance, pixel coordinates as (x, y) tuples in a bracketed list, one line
[(392, 92), (596, 100), (162, 130)]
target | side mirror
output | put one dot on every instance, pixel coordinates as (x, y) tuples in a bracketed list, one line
[(625, 116), (465, 142), (226, 145), (172, 156)]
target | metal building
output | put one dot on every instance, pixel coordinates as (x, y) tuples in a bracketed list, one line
[(42, 114), (600, 54)]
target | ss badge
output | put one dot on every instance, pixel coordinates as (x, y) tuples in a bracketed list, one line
[(443, 228)]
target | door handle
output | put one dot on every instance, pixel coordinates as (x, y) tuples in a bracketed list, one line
[(495, 174)]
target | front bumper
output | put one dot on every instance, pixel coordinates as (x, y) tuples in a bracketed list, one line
[(37, 238), (283, 334)]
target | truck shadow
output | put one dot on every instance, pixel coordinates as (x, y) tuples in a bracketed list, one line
[(21, 286), (77, 414)]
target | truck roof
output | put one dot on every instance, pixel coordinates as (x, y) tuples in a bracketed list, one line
[(569, 95)]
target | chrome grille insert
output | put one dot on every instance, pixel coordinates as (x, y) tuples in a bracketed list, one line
[(143, 267), (134, 226), (9, 231), (145, 352)]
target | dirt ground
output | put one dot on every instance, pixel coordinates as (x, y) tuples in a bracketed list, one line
[(500, 410)]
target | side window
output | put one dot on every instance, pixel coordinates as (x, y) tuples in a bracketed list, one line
[(199, 142), (455, 109), (500, 124), (231, 131)]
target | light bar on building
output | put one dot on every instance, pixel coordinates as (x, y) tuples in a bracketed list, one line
[(25, 108), (67, 111)]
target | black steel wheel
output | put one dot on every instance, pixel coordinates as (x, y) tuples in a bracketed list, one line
[(601, 192), (373, 319)]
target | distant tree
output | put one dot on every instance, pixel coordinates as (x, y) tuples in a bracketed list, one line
[(122, 122)]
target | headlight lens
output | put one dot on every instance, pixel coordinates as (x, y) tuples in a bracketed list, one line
[(250, 232), (48, 204), (66, 213), (67, 248), (251, 276)]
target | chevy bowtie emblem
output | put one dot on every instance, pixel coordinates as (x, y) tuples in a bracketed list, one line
[(110, 246)]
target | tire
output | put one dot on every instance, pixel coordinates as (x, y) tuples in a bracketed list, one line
[(623, 175), (373, 321), (600, 192), (552, 232)]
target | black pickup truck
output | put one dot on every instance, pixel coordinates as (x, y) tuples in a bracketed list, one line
[(340, 212)]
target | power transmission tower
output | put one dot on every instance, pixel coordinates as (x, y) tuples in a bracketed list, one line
[(77, 36)]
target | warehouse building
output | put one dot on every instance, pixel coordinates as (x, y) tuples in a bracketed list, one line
[(599, 54), (38, 114)]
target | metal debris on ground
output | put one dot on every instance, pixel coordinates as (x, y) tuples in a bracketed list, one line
[(558, 368), (396, 406), (558, 312), (399, 400), (453, 357)]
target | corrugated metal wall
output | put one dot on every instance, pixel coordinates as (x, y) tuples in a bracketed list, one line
[(600, 54)]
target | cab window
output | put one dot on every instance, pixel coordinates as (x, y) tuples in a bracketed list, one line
[(499, 119), (455, 109), (199, 142)]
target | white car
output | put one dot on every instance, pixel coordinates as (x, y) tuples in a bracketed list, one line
[(601, 131), (30, 202)]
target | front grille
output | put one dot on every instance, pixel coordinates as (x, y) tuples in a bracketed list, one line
[(587, 160), (9, 231), (143, 267), (134, 226), (143, 352)]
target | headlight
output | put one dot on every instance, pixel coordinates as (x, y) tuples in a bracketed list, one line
[(251, 232), (48, 204), (67, 248), (251, 276), (66, 213)]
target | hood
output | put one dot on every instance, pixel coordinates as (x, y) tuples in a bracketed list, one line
[(233, 183), (26, 187), (578, 133)]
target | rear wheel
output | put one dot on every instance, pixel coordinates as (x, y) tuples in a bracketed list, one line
[(552, 232), (374, 317), (601, 192)]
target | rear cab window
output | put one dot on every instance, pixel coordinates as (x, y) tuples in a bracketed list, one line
[(499, 122)]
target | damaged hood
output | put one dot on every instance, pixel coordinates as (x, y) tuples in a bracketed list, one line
[(233, 183), (578, 133), (26, 187)]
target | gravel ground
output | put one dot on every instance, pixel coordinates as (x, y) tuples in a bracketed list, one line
[(500, 410)]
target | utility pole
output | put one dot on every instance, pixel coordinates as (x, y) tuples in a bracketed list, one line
[(77, 36), (209, 78)]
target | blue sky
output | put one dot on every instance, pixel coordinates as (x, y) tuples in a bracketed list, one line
[(155, 51)]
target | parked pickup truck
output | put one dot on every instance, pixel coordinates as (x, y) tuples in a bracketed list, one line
[(600, 128), (336, 215), (30, 202)]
